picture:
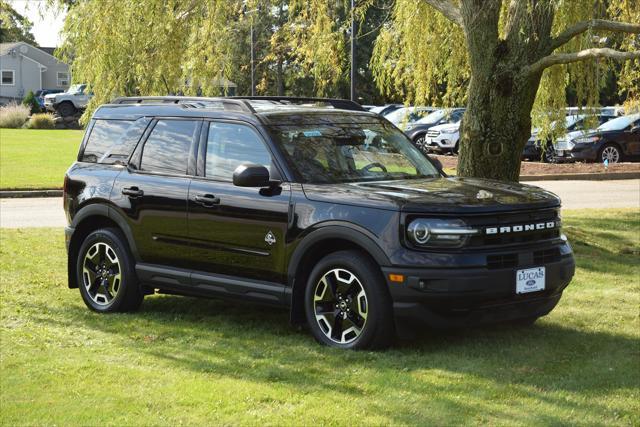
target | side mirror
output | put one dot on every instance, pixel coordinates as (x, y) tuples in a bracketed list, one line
[(252, 175)]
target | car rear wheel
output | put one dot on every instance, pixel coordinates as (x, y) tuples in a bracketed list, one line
[(610, 153), (105, 273), (347, 304), (66, 109)]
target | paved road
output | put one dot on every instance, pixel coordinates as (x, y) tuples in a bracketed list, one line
[(47, 212)]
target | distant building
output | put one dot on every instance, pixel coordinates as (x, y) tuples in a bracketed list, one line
[(24, 67)]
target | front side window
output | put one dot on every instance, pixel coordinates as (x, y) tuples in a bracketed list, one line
[(104, 136), (8, 77), (230, 145), (167, 147), (351, 153), (63, 78)]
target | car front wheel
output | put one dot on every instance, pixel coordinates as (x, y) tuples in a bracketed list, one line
[(66, 109), (347, 304), (105, 273)]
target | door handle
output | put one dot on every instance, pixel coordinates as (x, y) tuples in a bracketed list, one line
[(132, 192), (207, 200)]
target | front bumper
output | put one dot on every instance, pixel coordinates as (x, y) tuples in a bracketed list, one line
[(49, 105), (583, 152), (460, 297), (444, 142)]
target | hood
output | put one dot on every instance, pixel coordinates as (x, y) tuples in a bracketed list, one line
[(446, 126), (52, 95), (439, 195)]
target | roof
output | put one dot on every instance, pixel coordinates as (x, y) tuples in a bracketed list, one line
[(6, 47), (265, 110)]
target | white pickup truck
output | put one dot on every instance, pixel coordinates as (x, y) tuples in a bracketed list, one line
[(70, 102)]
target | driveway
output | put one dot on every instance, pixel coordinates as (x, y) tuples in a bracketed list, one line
[(47, 212)]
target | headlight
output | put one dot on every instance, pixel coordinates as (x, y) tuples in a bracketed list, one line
[(587, 139), (439, 232)]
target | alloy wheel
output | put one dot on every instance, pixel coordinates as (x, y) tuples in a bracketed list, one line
[(340, 306), (611, 154), (101, 273)]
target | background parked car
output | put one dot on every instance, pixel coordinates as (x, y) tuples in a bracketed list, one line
[(70, 102), (407, 115), (613, 141), (40, 94), (443, 138), (576, 125), (385, 109), (417, 130)]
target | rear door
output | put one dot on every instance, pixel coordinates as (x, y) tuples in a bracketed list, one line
[(236, 231), (152, 191)]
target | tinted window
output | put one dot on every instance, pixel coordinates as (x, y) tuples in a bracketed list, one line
[(167, 148), (230, 145), (104, 136)]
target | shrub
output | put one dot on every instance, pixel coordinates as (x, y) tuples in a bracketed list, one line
[(13, 116), (41, 121), (31, 102)]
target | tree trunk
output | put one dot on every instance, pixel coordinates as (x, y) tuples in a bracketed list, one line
[(497, 123), (496, 127)]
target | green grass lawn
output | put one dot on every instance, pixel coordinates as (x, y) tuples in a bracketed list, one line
[(196, 362), (34, 158)]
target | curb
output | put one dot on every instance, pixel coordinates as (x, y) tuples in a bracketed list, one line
[(19, 194), (582, 176)]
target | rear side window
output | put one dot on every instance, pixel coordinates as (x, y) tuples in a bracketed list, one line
[(167, 148), (106, 139)]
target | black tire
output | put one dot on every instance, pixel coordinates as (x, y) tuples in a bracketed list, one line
[(611, 152), (124, 293), (378, 329), (456, 148), (66, 109)]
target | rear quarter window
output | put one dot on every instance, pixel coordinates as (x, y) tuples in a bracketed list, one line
[(113, 140)]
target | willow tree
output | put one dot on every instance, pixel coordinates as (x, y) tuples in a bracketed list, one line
[(498, 57)]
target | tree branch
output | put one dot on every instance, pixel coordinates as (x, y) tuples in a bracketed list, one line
[(448, 9), (567, 58), (594, 24)]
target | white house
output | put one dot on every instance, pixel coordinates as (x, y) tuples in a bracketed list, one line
[(24, 67)]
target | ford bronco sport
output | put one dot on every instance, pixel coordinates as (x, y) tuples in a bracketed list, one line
[(310, 204)]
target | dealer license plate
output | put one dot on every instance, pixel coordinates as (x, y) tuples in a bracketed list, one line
[(530, 280)]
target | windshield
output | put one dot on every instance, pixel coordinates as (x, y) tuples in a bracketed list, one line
[(408, 114), (619, 124), (351, 153), (76, 89), (432, 118)]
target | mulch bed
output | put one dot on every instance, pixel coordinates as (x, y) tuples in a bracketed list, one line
[(539, 168)]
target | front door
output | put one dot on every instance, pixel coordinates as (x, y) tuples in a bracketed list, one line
[(236, 231)]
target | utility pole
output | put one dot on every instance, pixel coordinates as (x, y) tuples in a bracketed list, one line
[(253, 67), (353, 50)]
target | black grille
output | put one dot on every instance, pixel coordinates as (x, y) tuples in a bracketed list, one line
[(502, 261), (546, 256), (511, 219)]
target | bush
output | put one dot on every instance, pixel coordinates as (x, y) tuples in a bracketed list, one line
[(41, 121), (31, 102), (13, 116)]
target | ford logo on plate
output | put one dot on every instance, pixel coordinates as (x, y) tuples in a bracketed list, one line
[(531, 282)]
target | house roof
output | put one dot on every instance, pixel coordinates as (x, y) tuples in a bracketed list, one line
[(6, 47)]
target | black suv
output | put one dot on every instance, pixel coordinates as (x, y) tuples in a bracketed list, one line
[(310, 204)]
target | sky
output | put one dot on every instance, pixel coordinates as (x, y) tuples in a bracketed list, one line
[(46, 29)]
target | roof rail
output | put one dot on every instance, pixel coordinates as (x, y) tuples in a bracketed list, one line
[(194, 101), (343, 104)]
